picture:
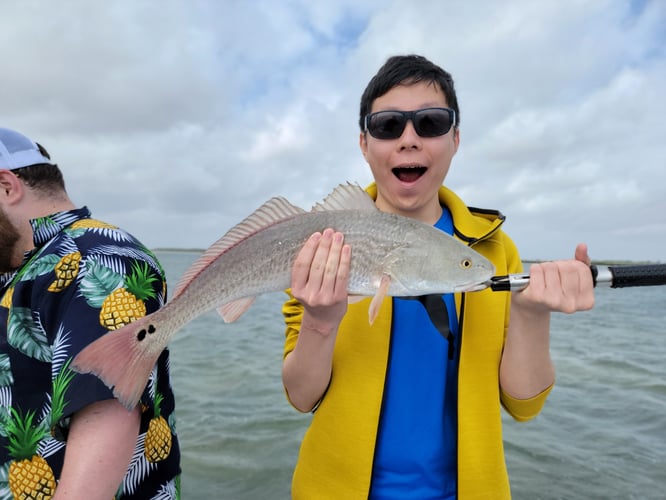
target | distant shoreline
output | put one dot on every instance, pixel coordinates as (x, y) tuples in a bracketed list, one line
[(179, 250)]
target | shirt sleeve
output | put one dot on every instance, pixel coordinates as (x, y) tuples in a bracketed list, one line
[(109, 292)]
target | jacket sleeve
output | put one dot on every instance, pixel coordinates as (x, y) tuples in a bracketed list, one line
[(292, 311), (521, 410)]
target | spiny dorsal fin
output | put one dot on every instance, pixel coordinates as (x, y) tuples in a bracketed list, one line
[(273, 211), (346, 197)]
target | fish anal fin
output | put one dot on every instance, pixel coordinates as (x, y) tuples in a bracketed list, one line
[(346, 197), (231, 311), (376, 303)]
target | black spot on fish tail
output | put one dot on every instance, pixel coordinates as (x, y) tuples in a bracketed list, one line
[(141, 335), (151, 329)]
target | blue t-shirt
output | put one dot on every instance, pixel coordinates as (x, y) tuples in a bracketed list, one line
[(415, 455)]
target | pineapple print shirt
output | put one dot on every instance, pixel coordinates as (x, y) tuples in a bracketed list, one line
[(83, 278)]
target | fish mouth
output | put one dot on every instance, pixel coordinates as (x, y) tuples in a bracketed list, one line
[(471, 287), (409, 173)]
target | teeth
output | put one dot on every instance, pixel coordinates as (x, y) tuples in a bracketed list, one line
[(410, 167), (409, 173), (397, 169)]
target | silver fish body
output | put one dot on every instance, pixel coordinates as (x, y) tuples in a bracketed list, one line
[(391, 255), (418, 258)]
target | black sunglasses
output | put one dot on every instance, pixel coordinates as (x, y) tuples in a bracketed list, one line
[(428, 122)]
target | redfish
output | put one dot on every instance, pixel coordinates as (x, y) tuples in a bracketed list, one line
[(391, 256)]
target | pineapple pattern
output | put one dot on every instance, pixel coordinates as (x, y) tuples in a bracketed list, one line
[(30, 476), (66, 271), (158, 438), (127, 303), (83, 279)]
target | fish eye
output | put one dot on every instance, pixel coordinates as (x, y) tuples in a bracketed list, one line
[(466, 263)]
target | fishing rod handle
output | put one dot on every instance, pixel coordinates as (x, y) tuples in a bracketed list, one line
[(631, 275), (613, 276)]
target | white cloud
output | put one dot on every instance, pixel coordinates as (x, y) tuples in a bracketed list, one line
[(190, 114)]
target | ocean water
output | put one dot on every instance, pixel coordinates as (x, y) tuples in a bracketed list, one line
[(601, 435)]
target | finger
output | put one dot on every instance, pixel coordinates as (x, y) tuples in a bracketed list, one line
[(570, 284), (344, 269), (320, 260), (333, 262), (545, 285), (585, 299), (581, 254), (577, 287), (537, 277), (301, 268), (572, 290), (552, 279)]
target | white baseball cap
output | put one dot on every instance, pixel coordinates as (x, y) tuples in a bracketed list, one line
[(17, 151)]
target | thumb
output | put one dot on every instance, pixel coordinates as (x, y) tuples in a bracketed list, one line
[(581, 254)]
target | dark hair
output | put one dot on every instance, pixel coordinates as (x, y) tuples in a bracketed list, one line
[(43, 176), (405, 70)]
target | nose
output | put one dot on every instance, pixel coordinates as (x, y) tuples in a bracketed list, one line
[(409, 138)]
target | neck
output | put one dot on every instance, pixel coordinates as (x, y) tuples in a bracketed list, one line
[(43, 206), (39, 207), (428, 214)]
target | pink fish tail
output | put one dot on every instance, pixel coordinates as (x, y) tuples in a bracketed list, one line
[(120, 361)]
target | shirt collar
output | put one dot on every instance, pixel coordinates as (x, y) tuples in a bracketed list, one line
[(44, 229)]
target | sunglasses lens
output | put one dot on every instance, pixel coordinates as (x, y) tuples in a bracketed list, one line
[(429, 122), (386, 124), (432, 122)]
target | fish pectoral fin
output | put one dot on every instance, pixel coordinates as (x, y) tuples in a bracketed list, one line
[(231, 311), (382, 291)]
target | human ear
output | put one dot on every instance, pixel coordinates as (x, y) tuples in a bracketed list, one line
[(11, 187), (456, 140), (363, 144)]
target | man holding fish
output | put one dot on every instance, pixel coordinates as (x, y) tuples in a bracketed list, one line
[(67, 279), (409, 407)]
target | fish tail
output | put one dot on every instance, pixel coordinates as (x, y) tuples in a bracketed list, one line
[(121, 360)]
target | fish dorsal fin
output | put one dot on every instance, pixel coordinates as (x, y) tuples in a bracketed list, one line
[(273, 211), (346, 197)]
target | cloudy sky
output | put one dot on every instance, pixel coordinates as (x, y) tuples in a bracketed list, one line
[(175, 119)]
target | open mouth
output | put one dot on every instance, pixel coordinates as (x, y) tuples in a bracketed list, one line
[(409, 174)]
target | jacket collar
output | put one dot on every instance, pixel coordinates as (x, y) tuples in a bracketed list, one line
[(470, 224)]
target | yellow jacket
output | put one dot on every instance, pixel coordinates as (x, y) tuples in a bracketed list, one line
[(337, 452)]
